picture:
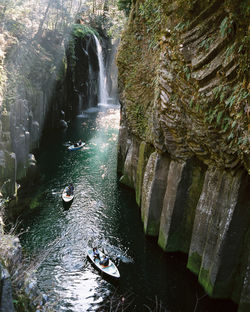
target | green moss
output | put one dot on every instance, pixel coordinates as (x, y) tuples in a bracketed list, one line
[(139, 173), (34, 204), (162, 240), (204, 279), (151, 228), (194, 262)]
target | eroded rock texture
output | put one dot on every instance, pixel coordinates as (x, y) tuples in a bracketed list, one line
[(184, 138)]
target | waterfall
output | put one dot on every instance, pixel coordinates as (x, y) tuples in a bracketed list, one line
[(79, 103), (102, 92)]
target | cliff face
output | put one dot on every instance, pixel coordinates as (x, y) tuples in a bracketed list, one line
[(45, 85), (184, 137), (32, 70), (82, 70)]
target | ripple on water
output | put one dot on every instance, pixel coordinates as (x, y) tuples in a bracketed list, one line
[(103, 215)]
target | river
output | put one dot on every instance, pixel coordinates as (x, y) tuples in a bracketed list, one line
[(105, 214)]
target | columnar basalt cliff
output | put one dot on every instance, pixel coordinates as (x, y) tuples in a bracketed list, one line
[(32, 68), (184, 137)]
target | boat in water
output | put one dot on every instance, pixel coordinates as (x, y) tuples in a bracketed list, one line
[(76, 146), (110, 269), (66, 196)]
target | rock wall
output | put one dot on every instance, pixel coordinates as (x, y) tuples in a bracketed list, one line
[(32, 71), (46, 87), (82, 73), (184, 137)]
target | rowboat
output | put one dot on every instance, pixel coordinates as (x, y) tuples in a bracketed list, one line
[(76, 146), (110, 269), (65, 197)]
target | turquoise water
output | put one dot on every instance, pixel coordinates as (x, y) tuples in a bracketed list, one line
[(104, 214)]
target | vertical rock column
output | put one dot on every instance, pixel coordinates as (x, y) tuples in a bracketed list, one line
[(184, 186), (153, 190), (130, 166), (144, 152), (220, 224), (8, 166)]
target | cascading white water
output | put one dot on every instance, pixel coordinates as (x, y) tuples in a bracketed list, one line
[(79, 102), (102, 92)]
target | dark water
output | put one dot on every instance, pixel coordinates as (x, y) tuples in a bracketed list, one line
[(103, 214)]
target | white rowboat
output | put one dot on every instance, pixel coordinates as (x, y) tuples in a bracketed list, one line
[(110, 270), (67, 198), (75, 147)]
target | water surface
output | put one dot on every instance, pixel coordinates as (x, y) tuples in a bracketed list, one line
[(104, 214)]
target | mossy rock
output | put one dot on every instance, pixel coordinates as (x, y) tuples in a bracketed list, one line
[(34, 204), (152, 228), (194, 263)]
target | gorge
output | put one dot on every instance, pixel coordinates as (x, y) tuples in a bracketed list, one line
[(183, 147)]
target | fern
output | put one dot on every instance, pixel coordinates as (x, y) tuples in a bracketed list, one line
[(223, 27), (219, 117)]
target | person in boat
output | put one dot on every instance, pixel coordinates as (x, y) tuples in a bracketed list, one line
[(67, 191), (96, 253), (70, 189), (105, 261), (80, 142)]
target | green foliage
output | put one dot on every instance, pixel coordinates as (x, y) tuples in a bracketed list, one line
[(137, 117), (22, 303), (230, 50), (224, 26), (124, 5), (187, 72), (181, 26), (219, 117), (80, 31), (151, 12), (206, 43)]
